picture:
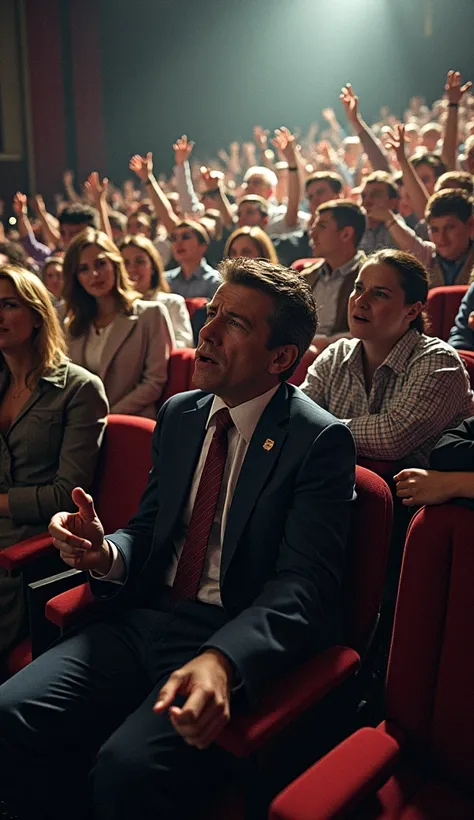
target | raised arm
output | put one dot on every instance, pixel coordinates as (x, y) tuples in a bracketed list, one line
[(68, 182), (454, 93), (97, 193), (50, 232), (214, 183), (416, 190), (285, 142), (188, 198), (406, 239), (143, 168), (33, 248), (371, 145)]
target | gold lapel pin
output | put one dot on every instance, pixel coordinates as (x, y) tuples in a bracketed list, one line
[(268, 444)]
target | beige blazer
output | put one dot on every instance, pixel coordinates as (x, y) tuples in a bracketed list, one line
[(134, 366), (51, 447), (179, 315)]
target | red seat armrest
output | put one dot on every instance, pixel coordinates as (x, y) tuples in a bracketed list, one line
[(25, 552), (63, 610), (337, 783), (382, 468), (294, 693)]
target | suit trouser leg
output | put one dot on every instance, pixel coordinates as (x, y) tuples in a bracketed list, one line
[(94, 691)]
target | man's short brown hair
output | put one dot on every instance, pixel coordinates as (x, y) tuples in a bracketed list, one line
[(294, 319), (346, 214), (387, 179), (335, 182), (256, 200), (450, 202)]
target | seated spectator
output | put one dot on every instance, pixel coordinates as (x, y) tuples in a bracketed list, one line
[(53, 277), (146, 272), (455, 179), (451, 473), (13, 253), (431, 135), (378, 193), (118, 225), (52, 418), (193, 277), (252, 210), (252, 243), (396, 388), (139, 223), (111, 331), (261, 181), (320, 187), (462, 334), (72, 220), (429, 168), (449, 257), (336, 232)]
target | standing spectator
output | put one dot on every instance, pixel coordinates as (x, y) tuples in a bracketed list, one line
[(193, 277)]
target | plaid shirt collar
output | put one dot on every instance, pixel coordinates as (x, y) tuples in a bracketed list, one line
[(396, 360)]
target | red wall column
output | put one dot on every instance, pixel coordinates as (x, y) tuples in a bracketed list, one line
[(87, 83), (44, 56)]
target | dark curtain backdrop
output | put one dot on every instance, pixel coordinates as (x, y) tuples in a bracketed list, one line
[(214, 68)]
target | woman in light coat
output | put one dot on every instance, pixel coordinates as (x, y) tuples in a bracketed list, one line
[(145, 269), (111, 330)]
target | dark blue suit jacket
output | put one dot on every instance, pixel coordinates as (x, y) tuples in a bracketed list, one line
[(283, 551)]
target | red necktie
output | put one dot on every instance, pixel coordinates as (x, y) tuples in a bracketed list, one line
[(191, 561)]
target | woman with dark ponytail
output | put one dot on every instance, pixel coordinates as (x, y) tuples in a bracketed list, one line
[(394, 386)]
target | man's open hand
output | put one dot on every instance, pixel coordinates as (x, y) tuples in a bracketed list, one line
[(79, 537), (206, 681)]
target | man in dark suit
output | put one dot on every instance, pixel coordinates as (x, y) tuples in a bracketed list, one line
[(229, 574)]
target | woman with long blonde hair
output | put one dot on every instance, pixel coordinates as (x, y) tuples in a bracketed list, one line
[(146, 271), (111, 330), (52, 419), (251, 242)]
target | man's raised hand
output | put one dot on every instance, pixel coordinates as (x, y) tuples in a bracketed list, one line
[(351, 104), (79, 536), (142, 166), (453, 88), (95, 189), (397, 142), (182, 149), (285, 142)]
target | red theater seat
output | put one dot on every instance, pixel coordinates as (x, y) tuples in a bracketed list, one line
[(299, 375), (418, 764), (468, 358), (300, 264), (442, 306), (195, 303), (124, 465), (180, 372)]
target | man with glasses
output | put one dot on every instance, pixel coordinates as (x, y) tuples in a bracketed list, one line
[(194, 277)]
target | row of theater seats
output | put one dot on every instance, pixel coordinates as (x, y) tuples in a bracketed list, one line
[(421, 759)]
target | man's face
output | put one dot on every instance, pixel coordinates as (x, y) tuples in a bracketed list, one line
[(377, 195), (187, 249), (319, 192), (257, 186), (450, 235), (232, 357), (427, 176), (249, 214), (325, 235), (68, 232)]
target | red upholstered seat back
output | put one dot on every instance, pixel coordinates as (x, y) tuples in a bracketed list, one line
[(125, 462), (468, 358), (180, 372), (367, 556), (299, 375), (442, 306), (195, 303), (299, 264), (430, 684)]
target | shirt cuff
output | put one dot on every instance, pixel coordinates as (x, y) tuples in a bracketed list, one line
[(117, 572)]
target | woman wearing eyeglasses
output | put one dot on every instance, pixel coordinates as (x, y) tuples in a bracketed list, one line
[(194, 277), (111, 331)]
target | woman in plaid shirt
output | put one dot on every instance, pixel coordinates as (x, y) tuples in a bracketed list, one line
[(396, 388)]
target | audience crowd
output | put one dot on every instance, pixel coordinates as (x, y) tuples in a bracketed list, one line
[(96, 294)]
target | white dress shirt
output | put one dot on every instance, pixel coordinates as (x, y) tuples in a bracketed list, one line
[(245, 417)]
